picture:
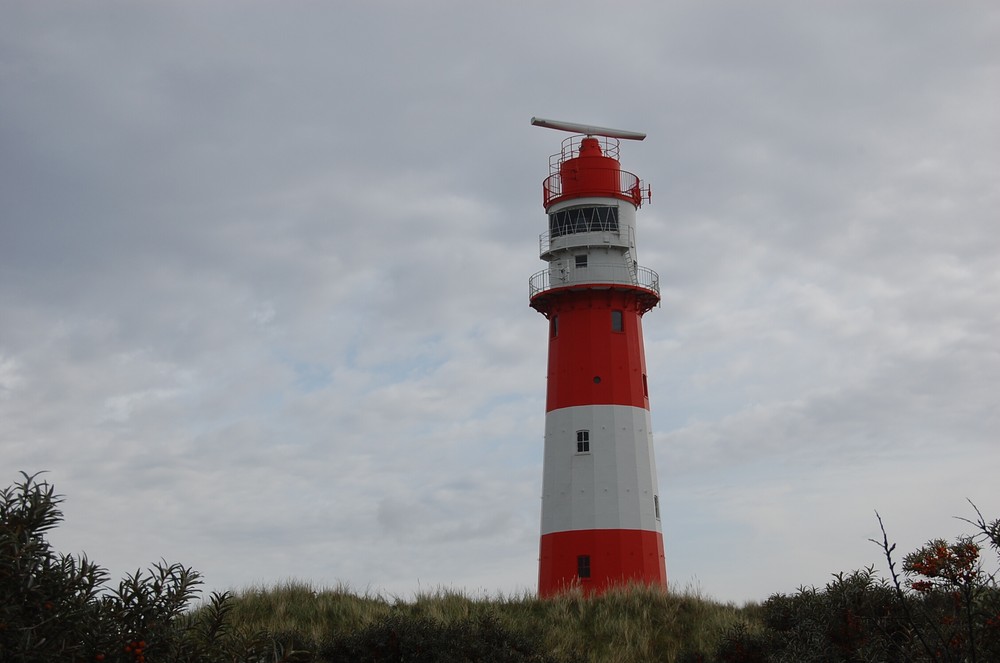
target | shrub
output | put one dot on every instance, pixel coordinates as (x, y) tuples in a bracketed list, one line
[(852, 619), (950, 604), (55, 607), (41, 592), (944, 607)]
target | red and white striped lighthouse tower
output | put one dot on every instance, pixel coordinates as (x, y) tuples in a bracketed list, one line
[(600, 502)]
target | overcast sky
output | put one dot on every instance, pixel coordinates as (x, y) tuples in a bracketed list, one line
[(264, 266)]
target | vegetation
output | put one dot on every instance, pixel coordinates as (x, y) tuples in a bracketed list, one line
[(631, 624), (939, 605)]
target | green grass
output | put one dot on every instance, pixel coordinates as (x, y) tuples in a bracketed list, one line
[(624, 625), (300, 608)]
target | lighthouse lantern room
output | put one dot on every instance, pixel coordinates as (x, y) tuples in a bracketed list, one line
[(600, 501)]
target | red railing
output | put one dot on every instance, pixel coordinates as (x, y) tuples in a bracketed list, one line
[(570, 149), (628, 187), (595, 181)]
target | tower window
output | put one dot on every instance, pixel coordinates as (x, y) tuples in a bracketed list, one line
[(554, 326), (583, 566), (581, 261), (617, 321), (645, 386), (583, 441), (582, 220), (656, 505)]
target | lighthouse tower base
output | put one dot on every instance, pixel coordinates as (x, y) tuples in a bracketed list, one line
[(624, 556)]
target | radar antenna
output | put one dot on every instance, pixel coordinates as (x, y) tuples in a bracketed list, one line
[(588, 129)]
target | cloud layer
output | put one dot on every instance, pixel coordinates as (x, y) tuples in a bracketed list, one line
[(263, 279)]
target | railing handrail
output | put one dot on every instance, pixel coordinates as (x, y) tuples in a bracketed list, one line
[(570, 149), (545, 239), (629, 188), (642, 277)]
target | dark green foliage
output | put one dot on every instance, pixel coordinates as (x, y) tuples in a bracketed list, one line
[(855, 618), (420, 639), (742, 646), (41, 591), (945, 608), (55, 607)]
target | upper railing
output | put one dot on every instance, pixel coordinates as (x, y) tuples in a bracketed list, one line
[(570, 149), (628, 187), (612, 182), (623, 236), (613, 274)]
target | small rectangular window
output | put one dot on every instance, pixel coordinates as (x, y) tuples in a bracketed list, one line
[(583, 441), (656, 505), (555, 326), (617, 321), (645, 386), (581, 261), (583, 566)]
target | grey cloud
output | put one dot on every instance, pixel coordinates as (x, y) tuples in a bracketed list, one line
[(263, 276)]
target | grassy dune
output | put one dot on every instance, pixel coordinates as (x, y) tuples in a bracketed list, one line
[(630, 624)]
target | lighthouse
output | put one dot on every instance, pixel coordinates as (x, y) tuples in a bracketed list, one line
[(600, 502)]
